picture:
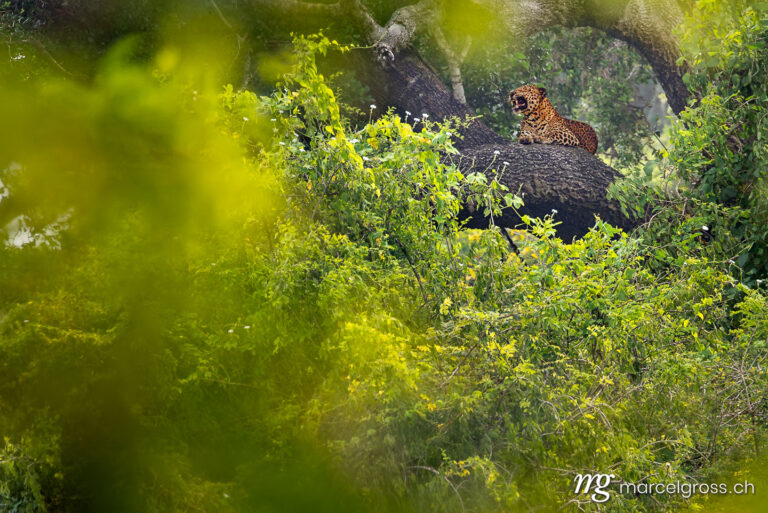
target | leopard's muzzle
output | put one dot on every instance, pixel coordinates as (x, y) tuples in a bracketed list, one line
[(519, 103)]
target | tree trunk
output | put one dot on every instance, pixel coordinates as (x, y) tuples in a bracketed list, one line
[(410, 86), (567, 182)]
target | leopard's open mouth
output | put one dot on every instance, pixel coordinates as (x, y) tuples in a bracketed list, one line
[(519, 103)]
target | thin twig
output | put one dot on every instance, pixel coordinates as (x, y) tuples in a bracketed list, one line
[(413, 268), (47, 54), (437, 472), (221, 15)]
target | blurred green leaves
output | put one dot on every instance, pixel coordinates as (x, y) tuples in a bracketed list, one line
[(152, 188)]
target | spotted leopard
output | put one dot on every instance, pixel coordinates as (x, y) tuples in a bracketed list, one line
[(542, 123)]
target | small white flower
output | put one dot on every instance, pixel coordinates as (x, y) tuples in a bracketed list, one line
[(373, 106), (732, 261), (416, 120), (230, 331), (705, 228), (759, 282), (213, 264), (554, 211), (496, 152), (245, 118), (506, 163), (273, 120), (425, 115), (354, 141), (247, 327), (450, 134), (407, 112), (301, 150), (26, 321), (281, 143), (366, 159)]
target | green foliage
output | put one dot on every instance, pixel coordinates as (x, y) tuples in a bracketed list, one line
[(712, 177), (24, 481), (719, 145)]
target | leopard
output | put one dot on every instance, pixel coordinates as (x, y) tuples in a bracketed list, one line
[(542, 124)]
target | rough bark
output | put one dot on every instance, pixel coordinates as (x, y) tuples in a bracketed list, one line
[(568, 181), (410, 86)]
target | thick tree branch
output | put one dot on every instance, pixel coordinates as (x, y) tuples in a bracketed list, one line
[(403, 26), (649, 26), (567, 182), (411, 87)]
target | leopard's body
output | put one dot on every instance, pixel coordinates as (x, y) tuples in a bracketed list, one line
[(542, 123)]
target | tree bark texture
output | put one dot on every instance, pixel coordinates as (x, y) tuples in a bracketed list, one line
[(567, 182), (410, 86)]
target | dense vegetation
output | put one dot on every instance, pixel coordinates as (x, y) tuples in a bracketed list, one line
[(213, 300)]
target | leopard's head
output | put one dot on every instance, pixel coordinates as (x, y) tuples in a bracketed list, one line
[(526, 99)]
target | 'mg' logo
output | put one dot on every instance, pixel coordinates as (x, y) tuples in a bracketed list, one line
[(601, 481)]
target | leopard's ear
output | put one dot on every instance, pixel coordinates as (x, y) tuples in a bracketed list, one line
[(543, 92)]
